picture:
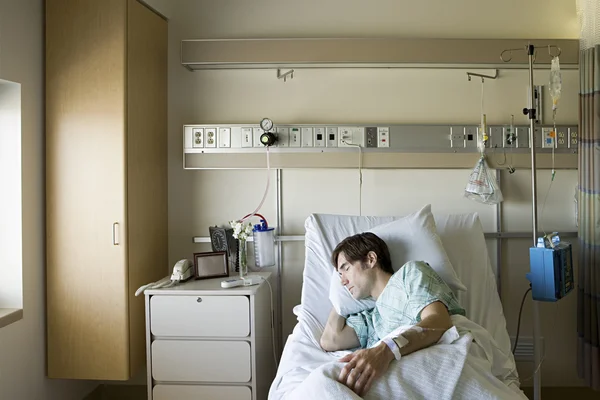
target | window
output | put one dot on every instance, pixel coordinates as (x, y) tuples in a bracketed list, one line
[(11, 242)]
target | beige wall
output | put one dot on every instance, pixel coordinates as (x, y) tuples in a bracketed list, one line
[(202, 198), (22, 344)]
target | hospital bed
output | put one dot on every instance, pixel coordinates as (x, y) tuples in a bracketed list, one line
[(306, 370)]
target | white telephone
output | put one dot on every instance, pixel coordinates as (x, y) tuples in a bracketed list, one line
[(182, 271)]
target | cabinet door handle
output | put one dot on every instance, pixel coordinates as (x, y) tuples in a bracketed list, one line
[(115, 234), (199, 300)]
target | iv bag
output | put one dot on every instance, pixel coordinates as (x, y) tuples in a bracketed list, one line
[(555, 85), (482, 185)]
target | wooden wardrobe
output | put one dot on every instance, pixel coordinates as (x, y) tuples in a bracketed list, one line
[(106, 182)]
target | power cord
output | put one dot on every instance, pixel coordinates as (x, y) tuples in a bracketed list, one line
[(519, 323), (359, 172)]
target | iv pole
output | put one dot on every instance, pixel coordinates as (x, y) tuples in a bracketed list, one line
[(531, 113)]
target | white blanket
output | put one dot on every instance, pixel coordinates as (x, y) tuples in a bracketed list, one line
[(471, 366)]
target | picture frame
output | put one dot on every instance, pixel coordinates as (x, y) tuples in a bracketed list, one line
[(212, 264)]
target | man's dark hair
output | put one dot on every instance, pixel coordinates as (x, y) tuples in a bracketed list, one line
[(356, 248)]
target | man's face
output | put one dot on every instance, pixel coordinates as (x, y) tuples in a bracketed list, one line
[(354, 277)]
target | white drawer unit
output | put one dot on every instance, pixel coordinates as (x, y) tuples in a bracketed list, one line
[(192, 392), (201, 361), (206, 342), (200, 316)]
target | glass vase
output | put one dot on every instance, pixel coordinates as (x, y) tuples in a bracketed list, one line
[(242, 258)]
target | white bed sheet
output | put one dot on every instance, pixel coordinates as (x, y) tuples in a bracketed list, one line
[(463, 238)]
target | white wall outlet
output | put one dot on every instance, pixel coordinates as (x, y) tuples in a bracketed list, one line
[(197, 137), (319, 137), (332, 137), (283, 137), (256, 133), (246, 137), (224, 137), (295, 137), (457, 137), (548, 138), (351, 136), (307, 137), (210, 137), (383, 136), (573, 138)]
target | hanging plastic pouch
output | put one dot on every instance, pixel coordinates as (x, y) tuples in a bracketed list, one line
[(482, 186)]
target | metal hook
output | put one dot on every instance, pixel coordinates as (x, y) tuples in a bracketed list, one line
[(285, 75), (510, 54), (469, 74)]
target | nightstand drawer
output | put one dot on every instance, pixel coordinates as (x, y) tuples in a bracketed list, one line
[(201, 361), (196, 392), (200, 316)]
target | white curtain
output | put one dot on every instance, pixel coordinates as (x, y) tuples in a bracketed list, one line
[(588, 12)]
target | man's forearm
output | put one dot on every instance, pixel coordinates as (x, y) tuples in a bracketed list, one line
[(432, 329)]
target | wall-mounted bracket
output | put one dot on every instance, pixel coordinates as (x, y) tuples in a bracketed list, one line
[(470, 74), (289, 73)]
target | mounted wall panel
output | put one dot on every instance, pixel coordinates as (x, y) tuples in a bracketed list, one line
[(366, 53), (391, 146)]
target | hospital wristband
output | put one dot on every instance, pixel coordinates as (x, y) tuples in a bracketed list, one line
[(391, 343)]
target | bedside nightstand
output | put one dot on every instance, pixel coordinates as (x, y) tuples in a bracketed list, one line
[(206, 342)]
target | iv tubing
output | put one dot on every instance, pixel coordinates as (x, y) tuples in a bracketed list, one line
[(266, 190)]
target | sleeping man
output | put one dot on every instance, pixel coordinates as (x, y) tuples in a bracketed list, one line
[(414, 295)]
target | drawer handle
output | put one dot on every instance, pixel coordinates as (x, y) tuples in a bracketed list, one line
[(199, 300)]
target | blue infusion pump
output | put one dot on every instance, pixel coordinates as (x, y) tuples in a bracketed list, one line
[(551, 263)]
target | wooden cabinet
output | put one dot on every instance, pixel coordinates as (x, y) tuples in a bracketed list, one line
[(106, 182), (206, 342)]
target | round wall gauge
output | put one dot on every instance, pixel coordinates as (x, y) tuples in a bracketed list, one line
[(266, 124)]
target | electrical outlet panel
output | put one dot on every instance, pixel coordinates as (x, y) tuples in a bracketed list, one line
[(224, 137), (371, 136), (247, 137), (307, 137), (383, 137), (573, 138), (210, 139), (331, 137), (562, 138), (283, 137), (198, 137), (319, 137), (295, 137), (457, 137), (351, 136)]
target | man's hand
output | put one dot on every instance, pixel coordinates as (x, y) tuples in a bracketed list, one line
[(364, 366)]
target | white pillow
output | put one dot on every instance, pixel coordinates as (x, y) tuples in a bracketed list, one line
[(412, 238)]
